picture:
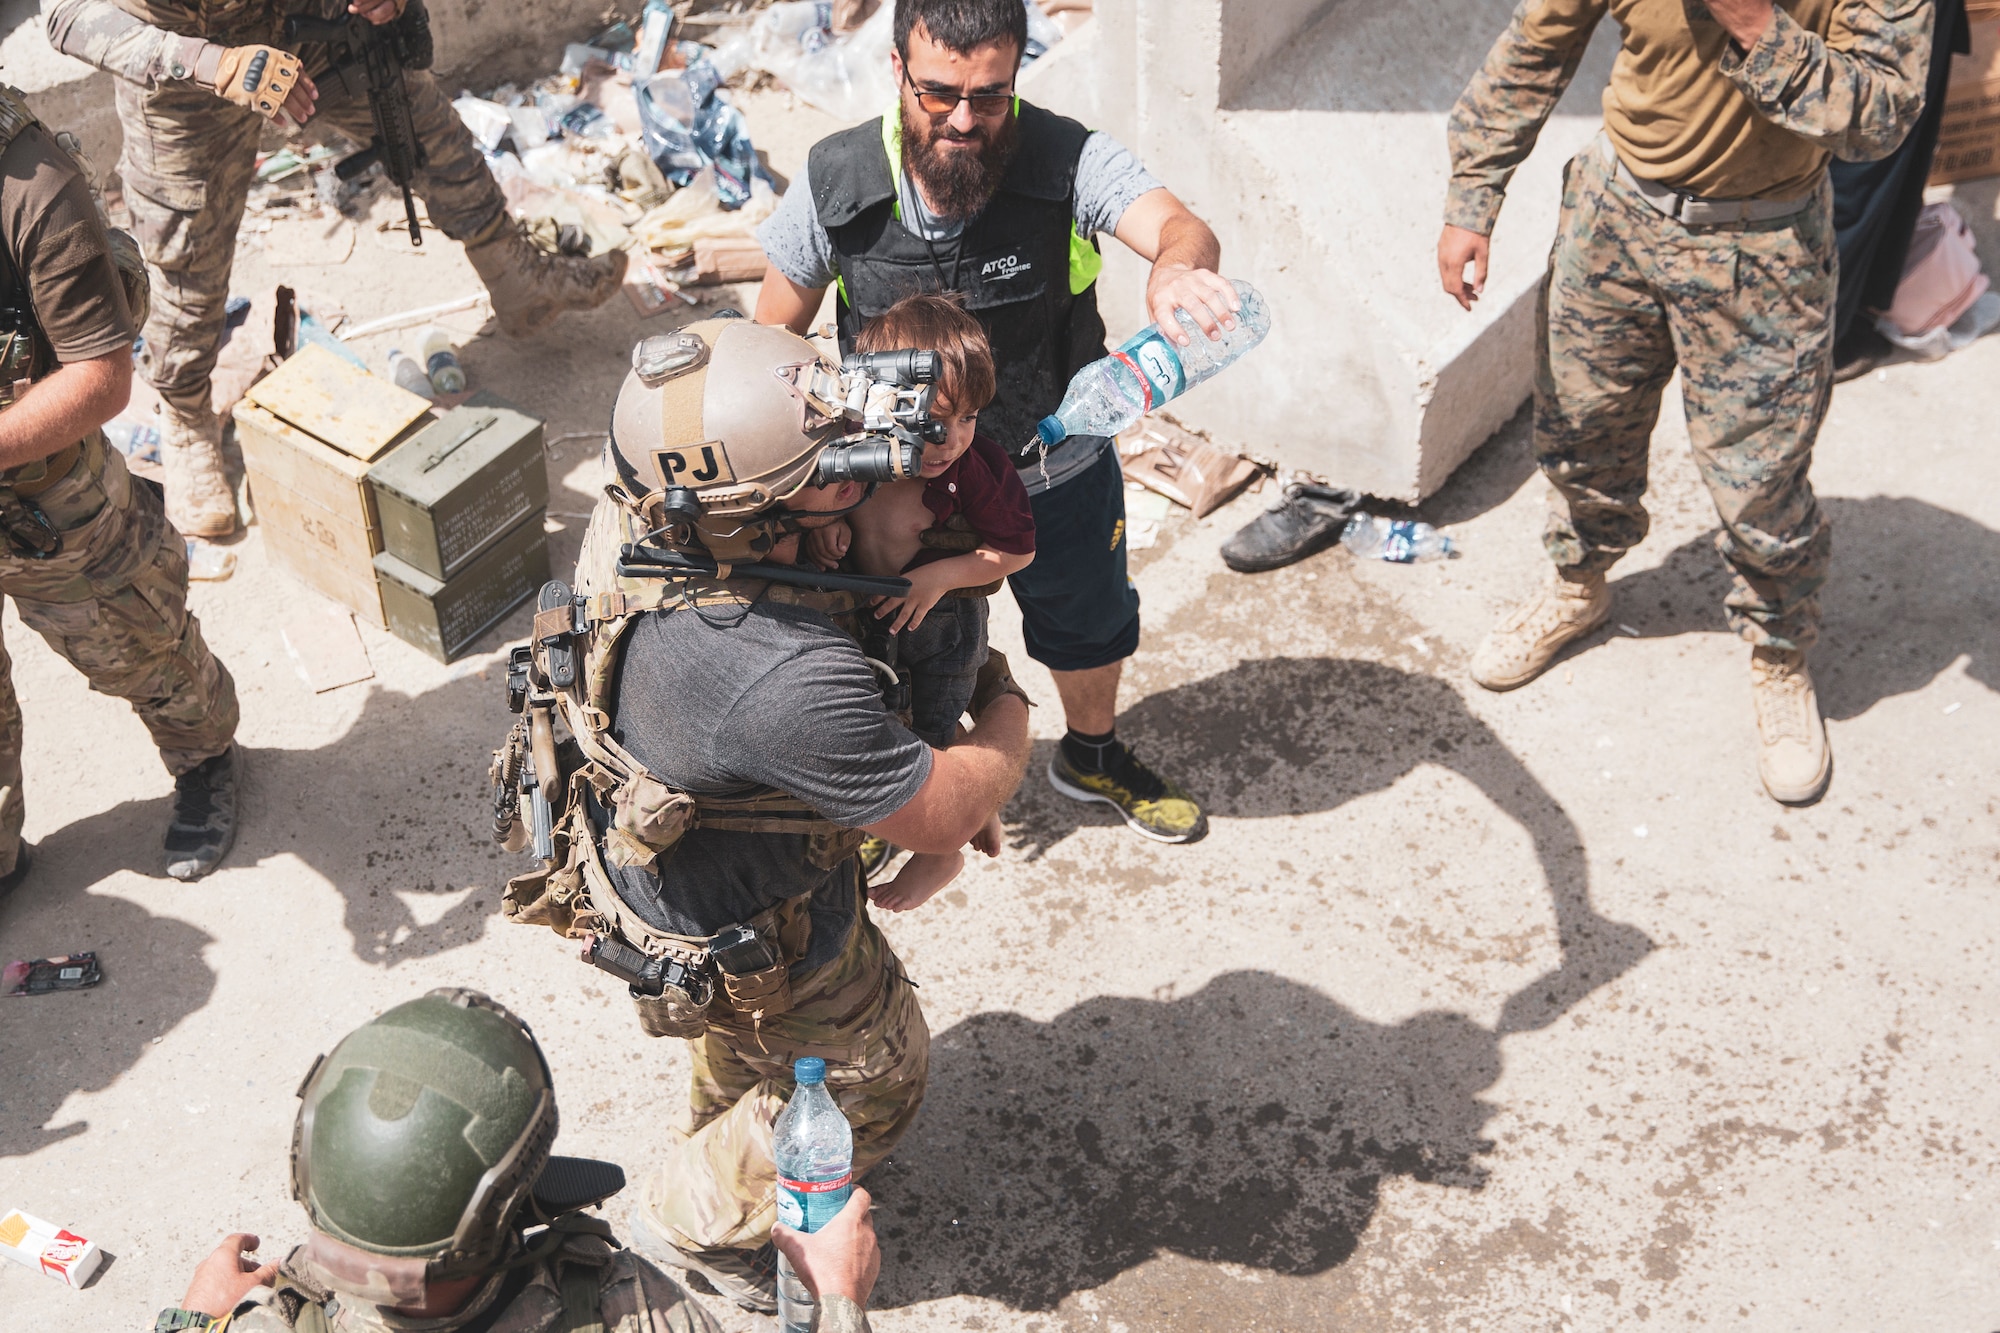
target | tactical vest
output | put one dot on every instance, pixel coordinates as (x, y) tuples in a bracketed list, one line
[(573, 895), (1026, 275)]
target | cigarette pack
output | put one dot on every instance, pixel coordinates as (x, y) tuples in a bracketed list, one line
[(63, 1255)]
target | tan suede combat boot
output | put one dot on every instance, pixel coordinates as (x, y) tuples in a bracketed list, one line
[(1521, 647), (530, 286), (200, 500), (1793, 757)]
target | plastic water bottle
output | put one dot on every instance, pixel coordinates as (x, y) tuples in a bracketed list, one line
[(441, 361), (408, 373), (1398, 540), (1109, 395), (814, 1147)]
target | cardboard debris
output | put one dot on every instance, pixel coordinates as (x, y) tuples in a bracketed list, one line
[(728, 259), (326, 648), (1183, 467)]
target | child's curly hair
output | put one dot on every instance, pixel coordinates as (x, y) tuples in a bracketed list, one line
[(966, 378)]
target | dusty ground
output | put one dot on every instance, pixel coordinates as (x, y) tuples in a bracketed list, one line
[(1472, 1012)]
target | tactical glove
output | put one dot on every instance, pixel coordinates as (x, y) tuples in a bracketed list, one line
[(994, 680), (259, 77)]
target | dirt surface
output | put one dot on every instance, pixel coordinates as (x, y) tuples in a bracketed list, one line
[(1472, 1012)]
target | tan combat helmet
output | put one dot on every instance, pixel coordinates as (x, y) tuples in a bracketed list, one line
[(720, 422)]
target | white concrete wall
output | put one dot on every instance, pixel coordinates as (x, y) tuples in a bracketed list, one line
[(1311, 135)]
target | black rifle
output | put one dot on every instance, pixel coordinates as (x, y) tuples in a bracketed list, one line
[(380, 52)]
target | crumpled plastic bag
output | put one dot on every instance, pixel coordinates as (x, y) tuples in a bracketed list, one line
[(689, 125)]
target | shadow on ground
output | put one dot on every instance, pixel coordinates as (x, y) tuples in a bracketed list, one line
[(155, 976), (1913, 588), (1251, 1122)]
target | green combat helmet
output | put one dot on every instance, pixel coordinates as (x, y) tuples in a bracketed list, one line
[(418, 1143)]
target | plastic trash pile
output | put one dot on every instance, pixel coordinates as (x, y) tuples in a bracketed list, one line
[(845, 75), (632, 143)]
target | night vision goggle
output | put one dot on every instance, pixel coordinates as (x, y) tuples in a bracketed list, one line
[(888, 396)]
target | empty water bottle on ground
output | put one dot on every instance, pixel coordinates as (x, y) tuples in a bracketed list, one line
[(1107, 396), (441, 361), (1400, 541), (814, 1148), (408, 373)]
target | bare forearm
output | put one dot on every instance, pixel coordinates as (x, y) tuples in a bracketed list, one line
[(784, 303), (1858, 103), (1188, 242), (968, 783), (62, 408)]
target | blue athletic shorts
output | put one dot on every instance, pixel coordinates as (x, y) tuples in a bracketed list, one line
[(1078, 607)]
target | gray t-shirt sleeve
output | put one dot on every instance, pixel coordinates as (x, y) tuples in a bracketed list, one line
[(1108, 179), (843, 755), (794, 240)]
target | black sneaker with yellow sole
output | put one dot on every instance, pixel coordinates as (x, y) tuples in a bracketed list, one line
[(1153, 806)]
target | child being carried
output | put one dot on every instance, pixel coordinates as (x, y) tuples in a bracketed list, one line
[(963, 524)]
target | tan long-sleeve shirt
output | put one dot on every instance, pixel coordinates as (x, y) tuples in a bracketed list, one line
[(1687, 106)]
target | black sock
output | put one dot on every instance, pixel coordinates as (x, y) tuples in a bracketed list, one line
[(1092, 754)]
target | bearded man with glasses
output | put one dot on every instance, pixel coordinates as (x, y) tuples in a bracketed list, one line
[(962, 187)]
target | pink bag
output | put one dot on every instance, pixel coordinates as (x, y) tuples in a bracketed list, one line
[(1941, 274)]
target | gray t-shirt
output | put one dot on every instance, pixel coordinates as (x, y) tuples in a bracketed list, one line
[(781, 698), (1108, 179)]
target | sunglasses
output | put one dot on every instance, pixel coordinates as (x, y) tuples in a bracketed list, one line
[(937, 102)]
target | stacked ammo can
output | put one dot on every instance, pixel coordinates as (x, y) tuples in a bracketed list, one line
[(461, 506), (429, 525)]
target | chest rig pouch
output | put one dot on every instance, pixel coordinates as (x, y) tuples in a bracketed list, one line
[(545, 791)]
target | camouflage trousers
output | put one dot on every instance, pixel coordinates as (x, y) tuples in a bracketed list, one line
[(1746, 312), (717, 1188), (113, 602), (188, 162)]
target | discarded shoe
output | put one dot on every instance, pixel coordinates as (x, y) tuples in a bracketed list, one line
[(1305, 518), (1793, 756), (1534, 633), (200, 500), (1153, 806), (203, 827), (23, 858), (747, 1277), (530, 287)]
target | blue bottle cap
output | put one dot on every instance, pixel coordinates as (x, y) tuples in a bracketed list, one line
[(1052, 431), (809, 1070)]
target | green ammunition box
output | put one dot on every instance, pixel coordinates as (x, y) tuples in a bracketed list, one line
[(443, 616), (447, 493)]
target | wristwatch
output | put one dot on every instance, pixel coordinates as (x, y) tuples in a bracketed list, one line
[(176, 1320)]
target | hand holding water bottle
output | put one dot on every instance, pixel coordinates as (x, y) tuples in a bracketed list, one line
[(1206, 295), (842, 1258)]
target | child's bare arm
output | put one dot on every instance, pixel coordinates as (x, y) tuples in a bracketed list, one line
[(929, 583)]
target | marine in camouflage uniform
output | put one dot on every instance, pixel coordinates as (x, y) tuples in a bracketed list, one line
[(1695, 232), (188, 162), (87, 554), (421, 1157)]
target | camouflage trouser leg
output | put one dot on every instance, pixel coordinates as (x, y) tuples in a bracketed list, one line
[(717, 1188), (1746, 311), (114, 604), (457, 188), (187, 164)]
